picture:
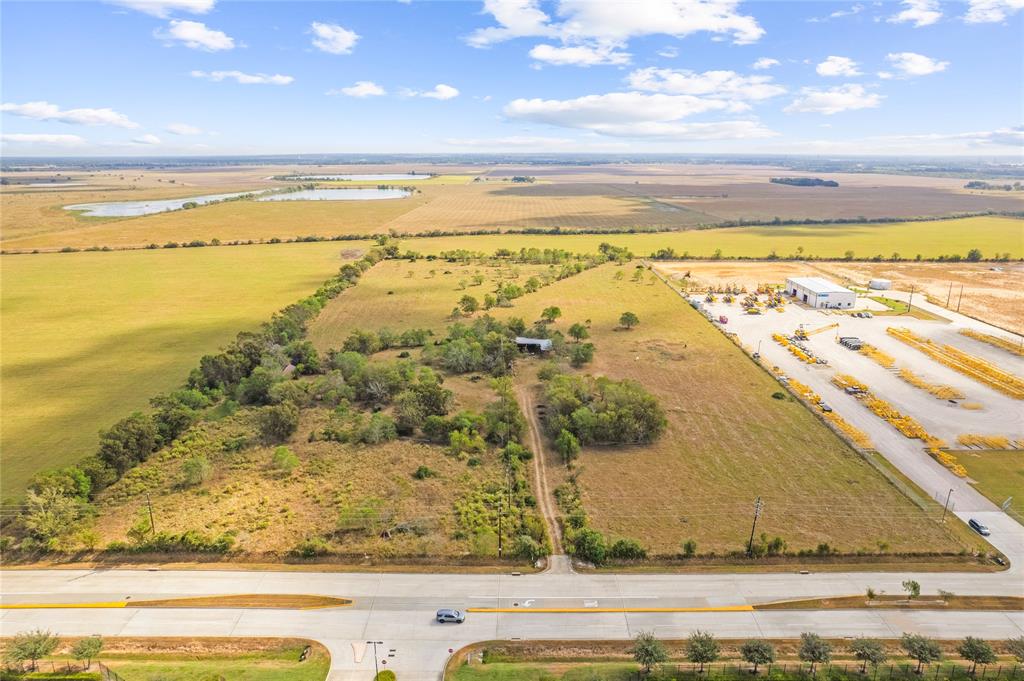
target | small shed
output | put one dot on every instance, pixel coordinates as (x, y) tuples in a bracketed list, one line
[(880, 284), (533, 345)]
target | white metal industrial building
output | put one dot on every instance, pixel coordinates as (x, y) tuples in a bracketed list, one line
[(818, 292)]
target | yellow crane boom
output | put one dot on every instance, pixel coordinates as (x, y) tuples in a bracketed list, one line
[(801, 334)]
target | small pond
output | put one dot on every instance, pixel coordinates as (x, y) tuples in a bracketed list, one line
[(125, 209), (393, 177), (355, 194)]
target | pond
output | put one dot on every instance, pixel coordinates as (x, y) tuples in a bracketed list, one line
[(125, 209), (360, 194), (385, 177)]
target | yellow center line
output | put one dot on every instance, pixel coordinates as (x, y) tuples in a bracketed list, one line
[(724, 608), (44, 606)]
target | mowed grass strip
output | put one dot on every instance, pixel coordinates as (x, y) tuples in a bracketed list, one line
[(998, 475), (728, 439), (90, 337)]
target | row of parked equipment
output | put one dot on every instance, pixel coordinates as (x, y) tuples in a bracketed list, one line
[(851, 342)]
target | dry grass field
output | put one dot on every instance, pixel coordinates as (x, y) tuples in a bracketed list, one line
[(90, 337), (728, 439), (399, 295), (992, 293), (270, 512)]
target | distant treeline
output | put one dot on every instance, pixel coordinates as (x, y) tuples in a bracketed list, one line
[(979, 184), (804, 181)]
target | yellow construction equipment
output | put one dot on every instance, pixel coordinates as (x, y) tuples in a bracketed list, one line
[(801, 334)]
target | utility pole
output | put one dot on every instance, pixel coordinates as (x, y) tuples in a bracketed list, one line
[(152, 523), (376, 671), (757, 514), (910, 305), (961, 297), (946, 506), (499, 527), (949, 295)]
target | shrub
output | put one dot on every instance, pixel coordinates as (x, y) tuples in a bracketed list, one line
[(196, 470), (589, 545), (278, 423), (385, 675), (627, 549), (424, 472), (310, 547), (380, 428), (581, 353), (689, 548), (284, 460), (528, 548)]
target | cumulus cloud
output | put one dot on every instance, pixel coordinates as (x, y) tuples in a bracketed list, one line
[(513, 141), (913, 64), (724, 84), (196, 35), (579, 55), (917, 12), (670, 52), (332, 38), (834, 100), (43, 139), (243, 78), (991, 11), (765, 63), (183, 129), (635, 114), (44, 111), (361, 89), (146, 140), (163, 8), (440, 91), (839, 14), (587, 28), (838, 66)]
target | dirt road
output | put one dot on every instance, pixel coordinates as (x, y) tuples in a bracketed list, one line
[(545, 497)]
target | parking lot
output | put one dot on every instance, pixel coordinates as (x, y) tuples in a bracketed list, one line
[(989, 412)]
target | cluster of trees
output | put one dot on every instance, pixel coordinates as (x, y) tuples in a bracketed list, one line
[(972, 255), (32, 646), (369, 342), (702, 648), (804, 181), (602, 411), (980, 184)]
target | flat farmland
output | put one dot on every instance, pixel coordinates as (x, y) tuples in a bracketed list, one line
[(90, 337), (399, 295), (930, 239), (728, 440)]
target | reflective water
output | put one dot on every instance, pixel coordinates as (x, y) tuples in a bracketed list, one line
[(124, 209)]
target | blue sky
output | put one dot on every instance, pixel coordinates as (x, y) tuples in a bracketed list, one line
[(154, 77)]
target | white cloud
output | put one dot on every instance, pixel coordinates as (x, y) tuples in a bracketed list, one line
[(1002, 137), (579, 55), (440, 91), (838, 66), (362, 88), (670, 52), (146, 139), (913, 64), (765, 63), (183, 129), (513, 141), (41, 139), (726, 84), (991, 11), (839, 14), (635, 114), (333, 38), (196, 35), (44, 111), (606, 27), (244, 78), (834, 100), (918, 12), (163, 8)]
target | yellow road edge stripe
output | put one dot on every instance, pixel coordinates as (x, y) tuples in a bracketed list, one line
[(724, 608), (45, 606)]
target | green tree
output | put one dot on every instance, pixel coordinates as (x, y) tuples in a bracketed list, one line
[(87, 649), (550, 314), (279, 422), (976, 651), (50, 514), (628, 320), (757, 652), (468, 304), (589, 545), (702, 648), (815, 650), (579, 332), (922, 649), (31, 646), (973, 255), (912, 588), (581, 353), (648, 651), (689, 548), (196, 470), (868, 650), (129, 441), (284, 460), (567, 445)]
